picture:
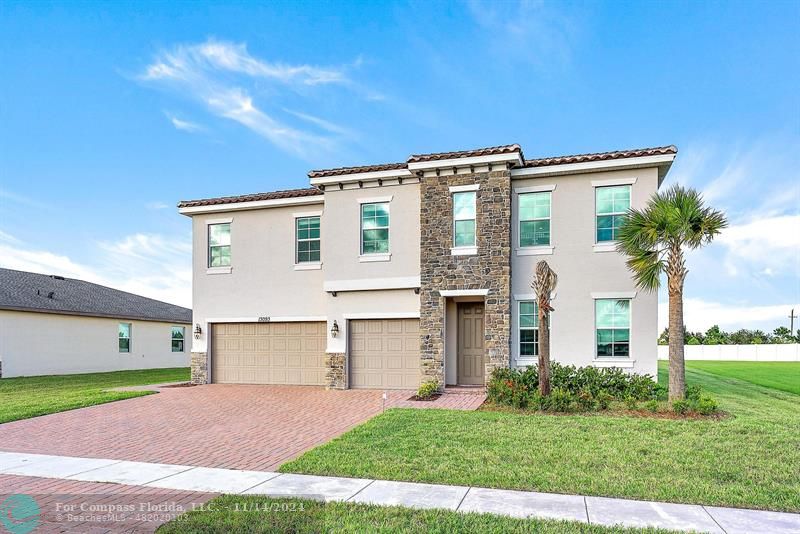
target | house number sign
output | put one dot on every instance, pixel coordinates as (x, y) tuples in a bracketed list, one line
[(264, 319)]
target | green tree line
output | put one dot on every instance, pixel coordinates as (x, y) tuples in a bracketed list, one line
[(716, 336)]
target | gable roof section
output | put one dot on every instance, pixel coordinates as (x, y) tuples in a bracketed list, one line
[(24, 291), (254, 197), (601, 156)]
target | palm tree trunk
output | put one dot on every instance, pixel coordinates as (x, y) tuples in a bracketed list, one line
[(677, 372), (544, 352)]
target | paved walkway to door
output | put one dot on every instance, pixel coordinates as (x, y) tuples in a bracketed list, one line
[(229, 426)]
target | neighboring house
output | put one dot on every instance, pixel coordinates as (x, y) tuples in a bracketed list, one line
[(385, 275), (52, 325)]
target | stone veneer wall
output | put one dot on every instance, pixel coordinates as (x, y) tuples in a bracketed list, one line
[(199, 368), (336, 373), (489, 269)]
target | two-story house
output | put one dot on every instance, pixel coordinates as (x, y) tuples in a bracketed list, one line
[(386, 275)]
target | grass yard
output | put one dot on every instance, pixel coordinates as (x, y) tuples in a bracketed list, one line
[(751, 459), (24, 397), (784, 376), (246, 514)]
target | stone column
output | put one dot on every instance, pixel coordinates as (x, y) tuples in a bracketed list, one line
[(336, 373), (199, 368)]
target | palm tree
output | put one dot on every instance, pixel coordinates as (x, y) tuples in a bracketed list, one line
[(543, 285), (654, 239)]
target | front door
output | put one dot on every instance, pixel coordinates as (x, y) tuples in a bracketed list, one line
[(470, 344)]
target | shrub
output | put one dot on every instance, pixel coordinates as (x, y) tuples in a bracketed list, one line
[(586, 401), (706, 405), (631, 403), (651, 405), (604, 399), (693, 392), (560, 400), (428, 389), (681, 406)]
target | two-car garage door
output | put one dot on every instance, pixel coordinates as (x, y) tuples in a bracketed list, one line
[(384, 353), (268, 353)]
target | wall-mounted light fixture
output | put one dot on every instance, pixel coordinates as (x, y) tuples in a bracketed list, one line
[(197, 331), (335, 329)]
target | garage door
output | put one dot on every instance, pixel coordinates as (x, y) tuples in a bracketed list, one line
[(384, 354), (268, 353)]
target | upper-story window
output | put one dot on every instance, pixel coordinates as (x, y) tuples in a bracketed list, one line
[(178, 334), (613, 326), (219, 245), (308, 242), (611, 205), (124, 330), (534, 219), (375, 228), (464, 219)]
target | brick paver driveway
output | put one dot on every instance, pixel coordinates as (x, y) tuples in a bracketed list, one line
[(230, 426)]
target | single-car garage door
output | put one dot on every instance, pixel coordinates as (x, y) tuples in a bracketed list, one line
[(384, 353), (268, 353)]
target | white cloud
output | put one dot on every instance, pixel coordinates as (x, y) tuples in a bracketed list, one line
[(150, 265), (216, 74), (770, 245), (700, 315), (184, 125), (157, 205)]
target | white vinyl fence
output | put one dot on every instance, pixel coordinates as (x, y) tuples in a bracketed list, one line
[(743, 353)]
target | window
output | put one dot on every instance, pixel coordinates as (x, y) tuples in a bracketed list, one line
[(177, 338), (611, 205), (124, 337), (613, 324), (307, 229), (534, 219), (464, 219), (219, 245), (375, 228), (528, 329)]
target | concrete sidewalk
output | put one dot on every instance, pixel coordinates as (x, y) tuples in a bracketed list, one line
[(524, 504)]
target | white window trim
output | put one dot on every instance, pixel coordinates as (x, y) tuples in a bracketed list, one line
[(375, 200), (535, 189), (464, 188), (377, 256), (172, 338), (308, 266), (614, 296), (130, 338), (469, 250), (380, 200), (222, 269), (613, 182), (302, 214), (535, 250), (298, 263), (608, 246), (622, 363), (464, 251)]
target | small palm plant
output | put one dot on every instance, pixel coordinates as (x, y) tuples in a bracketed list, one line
[(654, 239)]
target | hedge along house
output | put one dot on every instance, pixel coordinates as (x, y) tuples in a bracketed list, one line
[(52, 325), (382, 276)]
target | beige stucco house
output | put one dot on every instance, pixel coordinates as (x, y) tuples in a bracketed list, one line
[(52, 325), (385, 275)]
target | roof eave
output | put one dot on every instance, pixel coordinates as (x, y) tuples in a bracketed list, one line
[(189, 211), (97, 315), (662, 161)]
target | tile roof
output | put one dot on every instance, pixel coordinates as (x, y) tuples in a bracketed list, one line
[(273, 195), (20, 290), (354, 170), (488, 151), (600, 156)]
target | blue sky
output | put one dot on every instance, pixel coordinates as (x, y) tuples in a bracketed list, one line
[(112, 112)]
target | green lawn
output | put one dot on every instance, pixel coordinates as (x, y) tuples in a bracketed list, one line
[(21, 398), (750, 459), (784, 376), (246, 514)]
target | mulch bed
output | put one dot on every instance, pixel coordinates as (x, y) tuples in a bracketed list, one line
[(426, 399)]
